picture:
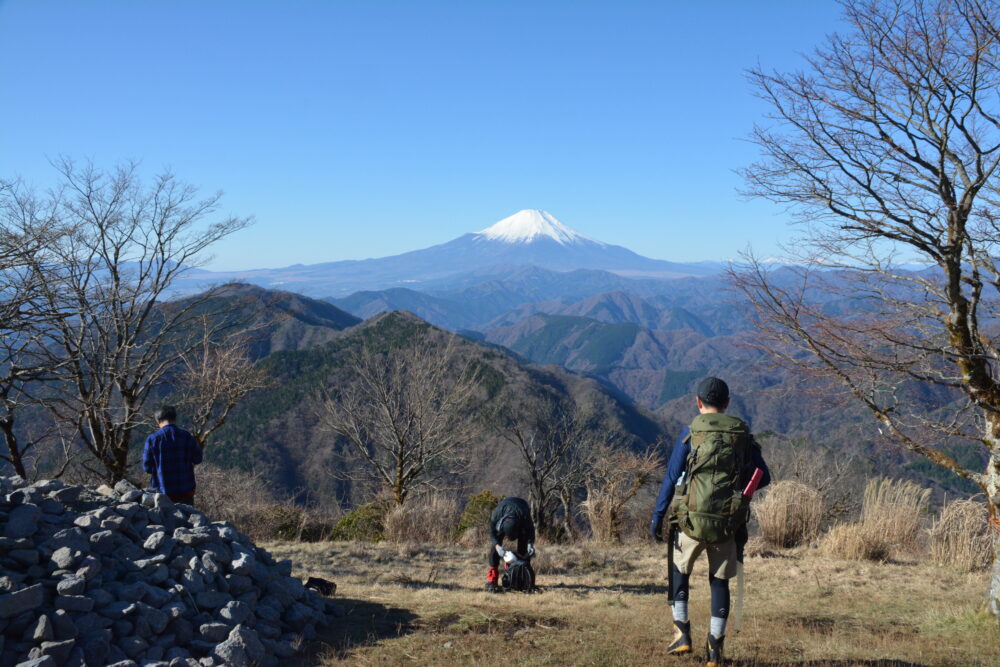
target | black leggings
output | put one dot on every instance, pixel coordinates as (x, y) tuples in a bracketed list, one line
[(719, 587), (494, 558)]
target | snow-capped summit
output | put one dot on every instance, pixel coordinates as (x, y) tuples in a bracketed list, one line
[(529, 238), (530, 225)]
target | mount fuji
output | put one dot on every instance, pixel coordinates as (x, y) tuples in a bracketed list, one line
[(528, 238)]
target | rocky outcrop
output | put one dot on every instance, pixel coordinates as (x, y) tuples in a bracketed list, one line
[(126, 577)]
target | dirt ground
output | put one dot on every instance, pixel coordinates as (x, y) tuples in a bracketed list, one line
[(607, 606)]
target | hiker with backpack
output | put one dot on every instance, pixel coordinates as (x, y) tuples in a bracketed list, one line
[(511, 520), (714, 469)]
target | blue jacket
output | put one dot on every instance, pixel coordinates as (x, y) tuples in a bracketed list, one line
[(169, 456), (678, 459)]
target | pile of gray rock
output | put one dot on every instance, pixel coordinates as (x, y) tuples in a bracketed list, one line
[(126, 577)]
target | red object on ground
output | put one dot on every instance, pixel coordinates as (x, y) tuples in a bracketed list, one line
[(752, 484), (492, 575)]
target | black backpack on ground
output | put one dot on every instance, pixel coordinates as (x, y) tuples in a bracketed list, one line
[(520, 576)]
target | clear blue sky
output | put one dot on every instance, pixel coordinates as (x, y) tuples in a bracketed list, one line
[(367, 128)]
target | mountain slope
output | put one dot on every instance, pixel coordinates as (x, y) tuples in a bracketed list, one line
[(278, 431), (275, 320)]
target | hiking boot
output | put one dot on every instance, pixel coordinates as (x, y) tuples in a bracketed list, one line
[(714, 649), (491, 587), (682, 639)]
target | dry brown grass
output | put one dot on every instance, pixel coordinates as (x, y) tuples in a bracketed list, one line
[(961, 536), (890, 523), (893, 509), (790, 514), (607, 606), (857, 541), (243, 499), (428, 519)]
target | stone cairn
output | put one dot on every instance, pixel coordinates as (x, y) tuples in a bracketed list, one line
[(126, 577)]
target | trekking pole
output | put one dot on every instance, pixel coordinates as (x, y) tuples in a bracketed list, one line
[(740, 588), (671, 533)]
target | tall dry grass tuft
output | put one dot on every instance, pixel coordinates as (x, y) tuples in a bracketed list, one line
[(790, 514), (893, 508), (890, 520), (857, 541), (428, 519), (961, 536)]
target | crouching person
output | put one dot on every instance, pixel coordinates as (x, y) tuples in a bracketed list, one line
[(511, 520)]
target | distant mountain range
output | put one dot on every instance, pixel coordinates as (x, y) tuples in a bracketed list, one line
[(640, 374), (638, 332), (527, 238)]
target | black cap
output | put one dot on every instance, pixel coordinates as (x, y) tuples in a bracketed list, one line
[(509, 527), (713, 391)]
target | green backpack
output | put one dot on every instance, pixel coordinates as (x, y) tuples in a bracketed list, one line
[(708, 504)]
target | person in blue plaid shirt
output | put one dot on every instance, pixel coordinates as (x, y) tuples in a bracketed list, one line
[(170, 456)]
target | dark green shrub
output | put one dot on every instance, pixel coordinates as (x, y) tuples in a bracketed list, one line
[(477, 511), (365, 523)]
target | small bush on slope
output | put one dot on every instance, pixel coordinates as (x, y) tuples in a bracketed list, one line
[(365, 523)]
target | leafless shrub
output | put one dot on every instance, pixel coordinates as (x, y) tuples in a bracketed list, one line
[(215, 375), (553, 439), (244, 500), (404, 414), (790, 514), (427, 519), (838, 479), (615, 478), (961, 536)]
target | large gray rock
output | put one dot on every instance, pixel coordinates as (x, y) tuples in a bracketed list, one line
[(214, 632), (102, 542), (18, 602), (71, 585), (43, 630), (65, 558), (235, 613), (22, 521), (59, 651), (44, 661), (243, 647)]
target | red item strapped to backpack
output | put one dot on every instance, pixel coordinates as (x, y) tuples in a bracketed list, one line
[(753, 483)]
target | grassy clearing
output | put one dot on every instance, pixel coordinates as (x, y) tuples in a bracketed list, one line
[(607, 606)]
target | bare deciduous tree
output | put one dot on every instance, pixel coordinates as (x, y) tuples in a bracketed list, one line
[(28, 226), (553, 442), (124, 247), (888, 148), (405, 414), (614, 477), (213, 378)]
